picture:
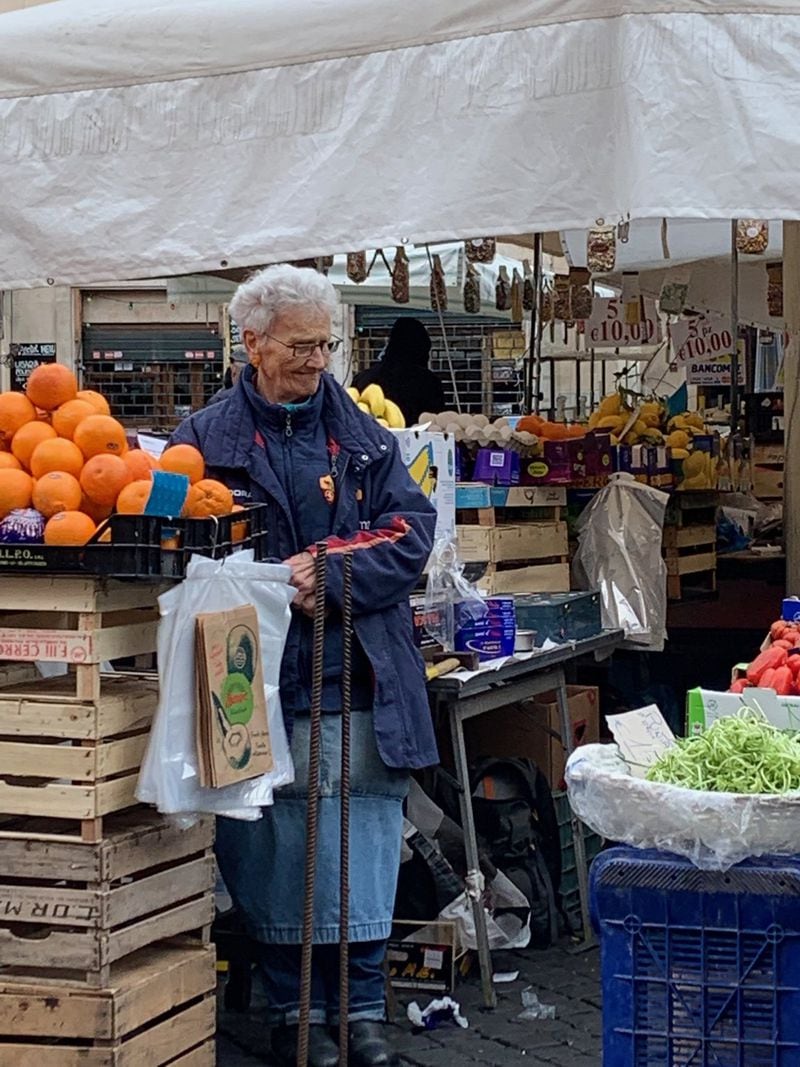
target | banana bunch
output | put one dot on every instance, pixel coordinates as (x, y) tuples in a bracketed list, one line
[(652, 425), (373, 402)]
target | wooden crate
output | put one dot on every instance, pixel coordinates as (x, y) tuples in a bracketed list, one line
[(71, 910), (79, 621), (542, 578), (517, 504), (503, 544), (70, 759), (158, 1009)]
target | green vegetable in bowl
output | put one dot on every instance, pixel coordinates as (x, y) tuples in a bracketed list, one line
[(741, 754)]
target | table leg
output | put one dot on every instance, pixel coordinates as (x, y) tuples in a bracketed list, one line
[(474, 877), (578, 841)]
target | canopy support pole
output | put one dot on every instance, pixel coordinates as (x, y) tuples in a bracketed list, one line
[(534, 378), (734, 329), (791, 387)]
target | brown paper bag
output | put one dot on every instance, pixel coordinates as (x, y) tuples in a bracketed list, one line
[(233, 742)]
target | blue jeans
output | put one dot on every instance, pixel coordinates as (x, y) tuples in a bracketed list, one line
[(280, 968)]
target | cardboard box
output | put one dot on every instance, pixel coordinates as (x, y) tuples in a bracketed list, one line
[(553, 467), (540, 578), (491, 635), (532, 731), (431, 461), (704, 706), (423, 959)]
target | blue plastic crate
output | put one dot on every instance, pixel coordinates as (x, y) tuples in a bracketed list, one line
[(699, 968)]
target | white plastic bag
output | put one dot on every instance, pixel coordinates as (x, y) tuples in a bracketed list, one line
[(169, 774), (713, 830), (619, 554)]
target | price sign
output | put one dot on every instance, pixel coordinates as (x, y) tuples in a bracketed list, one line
[(607, 327), (26, 357), (701, 338)]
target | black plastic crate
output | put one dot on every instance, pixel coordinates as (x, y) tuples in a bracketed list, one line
[(145, 546)]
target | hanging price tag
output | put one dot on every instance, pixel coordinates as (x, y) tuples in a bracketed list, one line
[(700, 338), (607, 327)]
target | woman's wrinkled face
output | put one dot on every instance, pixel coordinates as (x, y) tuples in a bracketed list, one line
[(290, 358)]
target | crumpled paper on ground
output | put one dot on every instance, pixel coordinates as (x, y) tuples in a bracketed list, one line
[(438, 1013)]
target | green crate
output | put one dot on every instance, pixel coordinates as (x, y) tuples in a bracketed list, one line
[(569, 874)]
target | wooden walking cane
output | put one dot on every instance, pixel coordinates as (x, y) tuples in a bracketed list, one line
[(312, 811)]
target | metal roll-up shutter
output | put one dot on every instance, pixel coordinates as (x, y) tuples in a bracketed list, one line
[(485, 384), (152, 376)]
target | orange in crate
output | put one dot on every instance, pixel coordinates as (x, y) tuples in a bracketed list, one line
[(9, 462), (15, 411), (100, 433), (133, 498), (208, 497), (56, 455), (68, 416), (28, 437), (183, 459), (140, 463), (103, 478), (51, 385), (97, 401), (56, 491), (16, 489), (68, 528)]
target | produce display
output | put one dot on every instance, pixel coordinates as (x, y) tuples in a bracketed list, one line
[(372, 401), (480, 432), (66, 465), (778, 665), (740, 754)]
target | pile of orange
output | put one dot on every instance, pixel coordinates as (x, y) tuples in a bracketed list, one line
[(62, 453)]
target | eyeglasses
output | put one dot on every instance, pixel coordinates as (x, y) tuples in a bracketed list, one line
[(305, 350)]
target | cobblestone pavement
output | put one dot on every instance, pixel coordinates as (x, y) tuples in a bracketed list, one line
[(572, 1039)]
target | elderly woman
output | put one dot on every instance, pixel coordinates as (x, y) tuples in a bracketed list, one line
[(289, 436)]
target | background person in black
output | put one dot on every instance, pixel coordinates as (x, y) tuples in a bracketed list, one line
[(403, 373)]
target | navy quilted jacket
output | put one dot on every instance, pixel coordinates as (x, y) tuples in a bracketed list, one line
[(348, 484)]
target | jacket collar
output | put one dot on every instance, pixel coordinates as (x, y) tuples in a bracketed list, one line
[(232, 441)]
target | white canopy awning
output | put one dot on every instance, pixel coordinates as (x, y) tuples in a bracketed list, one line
[(182, 135)]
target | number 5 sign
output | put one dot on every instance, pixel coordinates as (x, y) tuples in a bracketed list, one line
[(701, 338), (607, 327)]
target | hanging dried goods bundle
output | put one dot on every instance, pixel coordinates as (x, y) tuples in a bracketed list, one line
[(752, 236), (400, 279), (472, 291), (480, 249), (502, 291), (357, 266), (775, 289), (601, 250), (438, 286)]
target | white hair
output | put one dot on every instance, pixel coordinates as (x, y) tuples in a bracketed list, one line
[(265, 294)]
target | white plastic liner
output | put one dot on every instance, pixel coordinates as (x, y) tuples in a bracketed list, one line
[(713, 830)]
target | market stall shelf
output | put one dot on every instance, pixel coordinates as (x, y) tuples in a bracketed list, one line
[(158, 1009), (70, 911)]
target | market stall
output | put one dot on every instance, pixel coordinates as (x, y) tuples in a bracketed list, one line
[(101, 105)]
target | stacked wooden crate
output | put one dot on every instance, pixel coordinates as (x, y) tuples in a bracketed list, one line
[(690, 545), (514, 540), (94, 889)]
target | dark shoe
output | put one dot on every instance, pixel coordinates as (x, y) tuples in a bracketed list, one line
[(369, 1045), (322, 1050)]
